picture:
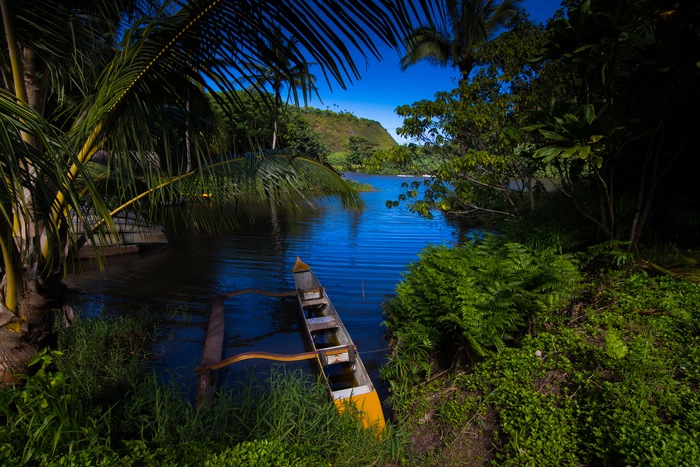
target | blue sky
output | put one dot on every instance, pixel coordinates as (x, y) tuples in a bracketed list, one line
[(383, 85)]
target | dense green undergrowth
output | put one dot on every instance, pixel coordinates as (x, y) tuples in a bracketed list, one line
[(458, 304), (503, 354), (93, 402), (608, 376)]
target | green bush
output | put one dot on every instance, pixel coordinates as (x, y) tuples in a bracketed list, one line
[(262, 453), (339, 161), (48, 415), (477, 297), (107, 353)]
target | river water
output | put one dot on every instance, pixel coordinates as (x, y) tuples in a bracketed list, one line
[(358, 256)]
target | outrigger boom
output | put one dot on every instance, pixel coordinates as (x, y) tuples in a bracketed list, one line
[(328, 341)]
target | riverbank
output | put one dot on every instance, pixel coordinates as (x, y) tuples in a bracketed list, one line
[(610, 376), (605, 373), (93, 401)]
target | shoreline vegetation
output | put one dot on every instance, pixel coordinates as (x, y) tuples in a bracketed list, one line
[(570, 337), (94, 401), (524, 365), (534, 357), (361, 187)]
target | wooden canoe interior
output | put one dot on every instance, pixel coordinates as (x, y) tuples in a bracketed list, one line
[(341, 365)]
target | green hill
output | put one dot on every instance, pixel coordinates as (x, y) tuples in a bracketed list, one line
[(336, 129)]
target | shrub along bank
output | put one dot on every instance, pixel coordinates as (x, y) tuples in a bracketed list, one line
[(506, 354)]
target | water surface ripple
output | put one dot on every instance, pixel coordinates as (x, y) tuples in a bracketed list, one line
[(358, 256)]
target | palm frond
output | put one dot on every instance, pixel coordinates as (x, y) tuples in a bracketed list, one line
[(144, 100), (40, 172), (461, 25), (209, 44), (222, 194), (427, 44)]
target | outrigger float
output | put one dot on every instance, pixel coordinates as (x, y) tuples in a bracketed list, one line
[(328, 342)]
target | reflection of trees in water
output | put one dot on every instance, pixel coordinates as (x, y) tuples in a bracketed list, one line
[(252, 318), (355, 224), (276, 233)]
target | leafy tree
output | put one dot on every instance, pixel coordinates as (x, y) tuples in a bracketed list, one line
[(143, 105), (360, 149), (408, 158), (299, 138), (620, 126), (248, 128), (466, 24), (476, 131)]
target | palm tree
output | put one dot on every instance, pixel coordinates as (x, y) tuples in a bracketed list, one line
[(137, 103), (283, 64), (466, 24)]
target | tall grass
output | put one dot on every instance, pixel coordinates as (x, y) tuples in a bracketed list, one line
[(94, 402), (47, 415), (107, 353), (288, 407)]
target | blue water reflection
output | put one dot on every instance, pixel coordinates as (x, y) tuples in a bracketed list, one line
[(358, 256)]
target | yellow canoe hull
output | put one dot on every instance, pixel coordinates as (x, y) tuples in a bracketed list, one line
[(369, 409)]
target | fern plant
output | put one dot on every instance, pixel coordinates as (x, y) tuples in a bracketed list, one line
[(478, 297)]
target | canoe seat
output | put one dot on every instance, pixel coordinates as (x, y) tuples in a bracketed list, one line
[(337, 354), (321, 323), (314, 301), (312, 297), (356, 391)]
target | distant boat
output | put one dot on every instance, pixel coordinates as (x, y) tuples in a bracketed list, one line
[(341, 366)]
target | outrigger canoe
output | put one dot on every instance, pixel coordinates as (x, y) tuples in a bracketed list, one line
[(329, 344), (342, 369)]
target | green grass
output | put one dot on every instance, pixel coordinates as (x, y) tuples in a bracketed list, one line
[(93, 402)]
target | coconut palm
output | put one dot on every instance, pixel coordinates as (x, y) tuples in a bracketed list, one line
[(283, 65), (464, 25), (143, 102)]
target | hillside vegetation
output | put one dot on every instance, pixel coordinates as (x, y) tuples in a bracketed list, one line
[(336, 128)]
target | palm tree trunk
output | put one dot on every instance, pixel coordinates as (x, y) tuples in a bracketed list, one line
[(188, 143), (34, 85), (23, 334), (26, 316), (274, 134)]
